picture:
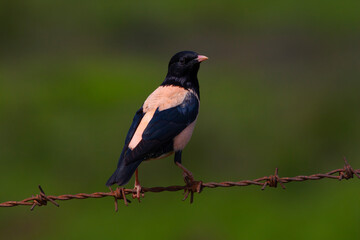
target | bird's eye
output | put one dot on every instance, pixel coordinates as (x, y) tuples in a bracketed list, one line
[(182, 61)]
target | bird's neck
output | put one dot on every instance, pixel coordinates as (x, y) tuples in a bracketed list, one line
[(189, 83)]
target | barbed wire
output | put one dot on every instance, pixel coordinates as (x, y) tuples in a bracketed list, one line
[(42, 199)]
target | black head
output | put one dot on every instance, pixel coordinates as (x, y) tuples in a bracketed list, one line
[(183, 69)]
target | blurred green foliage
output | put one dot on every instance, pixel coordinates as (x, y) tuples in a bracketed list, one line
[(281, 89)]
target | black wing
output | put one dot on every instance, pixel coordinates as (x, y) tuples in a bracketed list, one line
[(163, 127), (135, 123)]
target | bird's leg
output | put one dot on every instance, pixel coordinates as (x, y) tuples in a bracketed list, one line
[(137, 186), (191, 185), (188, 177)]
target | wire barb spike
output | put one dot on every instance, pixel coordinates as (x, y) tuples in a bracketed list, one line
[(41, 199), (273, 180)]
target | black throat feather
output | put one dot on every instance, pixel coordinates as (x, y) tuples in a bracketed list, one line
[(187, 82)]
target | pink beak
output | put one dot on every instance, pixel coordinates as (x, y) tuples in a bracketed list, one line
[(201, 58)]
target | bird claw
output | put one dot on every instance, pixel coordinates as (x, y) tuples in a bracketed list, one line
[(191, 186), (188, 177), (138, 192)]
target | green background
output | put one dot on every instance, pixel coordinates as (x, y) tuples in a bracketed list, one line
[(280, 89)]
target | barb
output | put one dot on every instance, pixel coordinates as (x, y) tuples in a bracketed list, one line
[(190, 188)]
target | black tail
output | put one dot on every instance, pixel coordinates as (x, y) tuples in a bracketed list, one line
[(123, 174)]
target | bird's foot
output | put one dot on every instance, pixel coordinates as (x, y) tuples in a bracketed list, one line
[(191, 186), (119, 193), (188, 176), (138, 192)]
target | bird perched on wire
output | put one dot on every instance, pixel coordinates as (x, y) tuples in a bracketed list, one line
[(165, 122)]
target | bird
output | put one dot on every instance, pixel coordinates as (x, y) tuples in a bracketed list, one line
[(164, 123)]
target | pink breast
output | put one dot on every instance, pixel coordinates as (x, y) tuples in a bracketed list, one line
[(184, 137)]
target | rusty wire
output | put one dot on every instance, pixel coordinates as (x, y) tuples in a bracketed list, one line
[(196, 186)]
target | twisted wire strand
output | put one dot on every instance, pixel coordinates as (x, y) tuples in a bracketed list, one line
[(190, 188)]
